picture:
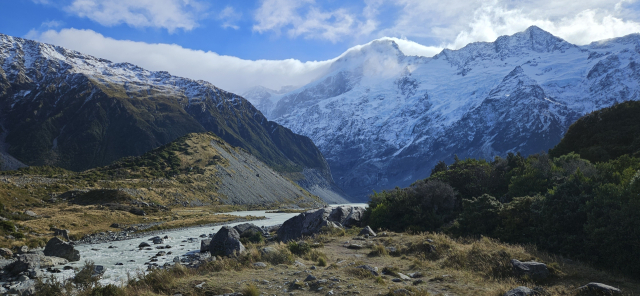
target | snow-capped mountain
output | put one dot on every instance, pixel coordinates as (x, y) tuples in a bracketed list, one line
[(383, 119), (61, 107)]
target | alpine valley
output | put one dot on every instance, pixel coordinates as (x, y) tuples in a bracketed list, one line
[(384, 119), (62, 108)]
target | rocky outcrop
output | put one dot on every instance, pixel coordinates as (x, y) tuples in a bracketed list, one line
[(226, 242), (58, 248), (311, 222), (534, 270), (60, 232)]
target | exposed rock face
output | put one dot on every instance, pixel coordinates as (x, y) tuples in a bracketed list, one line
[(532, 269), (311, 222), (58, 248), (599, 289), (226, 242)]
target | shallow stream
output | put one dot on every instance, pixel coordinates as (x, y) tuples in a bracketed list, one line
[(182, 242)]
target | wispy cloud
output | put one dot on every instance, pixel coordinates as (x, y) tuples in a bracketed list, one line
[(52, 24), (227, 72), (168, 14), (229, 17)]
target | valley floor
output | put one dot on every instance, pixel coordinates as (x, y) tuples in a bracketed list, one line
[(328, 265)]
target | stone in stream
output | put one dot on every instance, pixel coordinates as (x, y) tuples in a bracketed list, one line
[(58, 248), (226, 242), (144, 245)]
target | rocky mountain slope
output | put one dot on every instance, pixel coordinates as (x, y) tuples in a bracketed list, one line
[(60, 107), (383, 119)]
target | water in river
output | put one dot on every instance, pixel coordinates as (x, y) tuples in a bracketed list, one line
[(132, 259)]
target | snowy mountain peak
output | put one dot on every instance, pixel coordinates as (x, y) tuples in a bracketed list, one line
[(383, 119), (382, 50)]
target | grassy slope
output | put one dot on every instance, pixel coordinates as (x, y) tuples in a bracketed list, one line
[(181, 172)]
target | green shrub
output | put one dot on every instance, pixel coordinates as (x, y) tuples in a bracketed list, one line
[(299, 248)]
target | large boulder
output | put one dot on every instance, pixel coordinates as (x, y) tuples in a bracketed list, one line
[(311, 222), (60, 232), (58, 248), (534, 270), (24, 262), (204, 245), (226, 242), (246, 228)]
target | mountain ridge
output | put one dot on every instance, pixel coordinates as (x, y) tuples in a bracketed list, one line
[(381, 129), (60, 107)]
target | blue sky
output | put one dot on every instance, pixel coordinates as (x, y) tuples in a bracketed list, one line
[(239, 44)]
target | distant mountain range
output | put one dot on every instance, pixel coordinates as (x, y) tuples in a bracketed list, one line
[(63, 108), (384, 119)]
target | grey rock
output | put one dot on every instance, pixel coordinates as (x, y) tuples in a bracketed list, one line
[(259, 264), (226, 242), (24, 263), (22, 250), (204, 245), (534, 270), (403, 277), (373, 270), (58, 248), (249, 227), (311, 222), (30, 213), (144, 245), (367, 231), (50, 261), (60, 232), (24, 288), (520, 291), (157, 240), (396, 280), (600, 289), (310, 278), (355, 246), (98, 270), (6, 262)]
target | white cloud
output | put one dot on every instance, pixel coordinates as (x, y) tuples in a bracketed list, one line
[(229, 17), (168, 14), (227, 72), (303, 18), (456, 23)]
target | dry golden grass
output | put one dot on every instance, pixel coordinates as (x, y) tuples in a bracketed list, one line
[(460, 267)]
